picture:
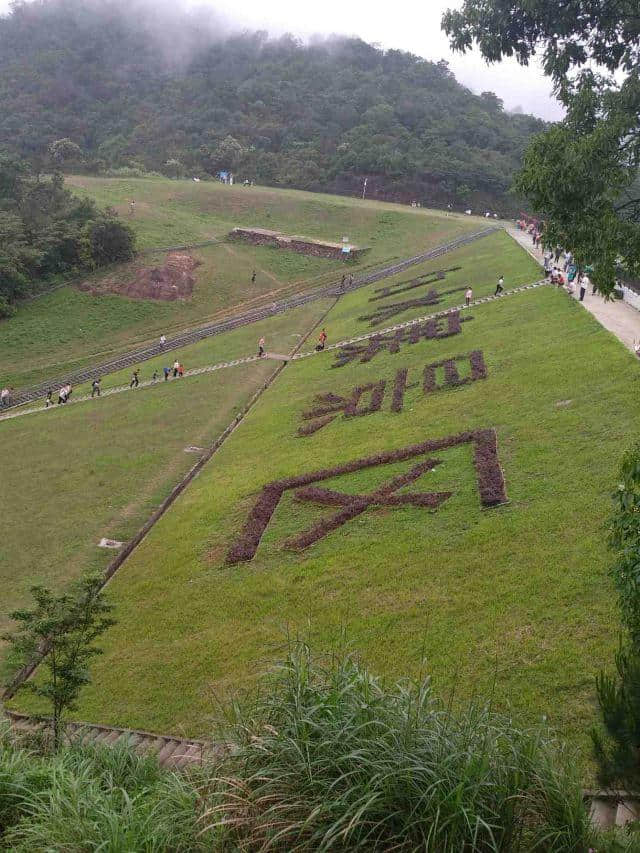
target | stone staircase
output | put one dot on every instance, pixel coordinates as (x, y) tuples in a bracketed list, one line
[(172, 752)]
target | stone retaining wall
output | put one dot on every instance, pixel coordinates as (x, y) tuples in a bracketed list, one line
[(302, 245)]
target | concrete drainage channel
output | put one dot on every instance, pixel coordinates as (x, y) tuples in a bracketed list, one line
[(243, 319)]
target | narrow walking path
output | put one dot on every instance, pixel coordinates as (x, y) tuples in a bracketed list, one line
[(211, 368), (234, 321), (616, 316)]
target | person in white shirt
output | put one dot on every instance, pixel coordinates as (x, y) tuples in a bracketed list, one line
[(176, 366), (499, 286), (468, 296), (163, 340), (584, 284), (4, 397)]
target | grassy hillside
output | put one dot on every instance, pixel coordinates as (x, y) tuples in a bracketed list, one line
[(511, 600), (67, 329), (81, 472)]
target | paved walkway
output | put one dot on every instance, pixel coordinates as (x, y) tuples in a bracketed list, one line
[(618, 317)]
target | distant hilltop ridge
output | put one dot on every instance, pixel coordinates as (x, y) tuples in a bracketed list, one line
[(142, 88)]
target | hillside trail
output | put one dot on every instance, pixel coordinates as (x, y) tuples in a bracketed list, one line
[(618, 317), (236, 320), (211, 368)]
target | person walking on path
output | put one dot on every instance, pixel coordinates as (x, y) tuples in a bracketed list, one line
[(253, 277), (468, 296), (342, 281), (64, 393), (584, 284), (166, 372), (181, 370), (4, 397), (95, 387), (176, 365), (499, 286), (261, 347), (163, 341), (155, 376), (322, 339), (49, 401), (350, 279), (134, 379)]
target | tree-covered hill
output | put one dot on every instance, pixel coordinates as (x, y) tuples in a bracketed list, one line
[(175, 92)]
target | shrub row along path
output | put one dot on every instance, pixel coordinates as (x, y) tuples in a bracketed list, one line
[(618, 317), (197, 371), (191, 336)]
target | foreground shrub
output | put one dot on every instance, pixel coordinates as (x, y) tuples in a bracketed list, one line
[(95, 798), (328, 758)]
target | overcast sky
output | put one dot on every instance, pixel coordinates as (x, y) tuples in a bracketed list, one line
[(404, 24)]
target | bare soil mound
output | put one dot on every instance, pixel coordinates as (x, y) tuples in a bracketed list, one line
[(173, 280)]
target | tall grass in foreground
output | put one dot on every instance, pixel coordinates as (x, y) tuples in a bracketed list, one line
[(329, 758), (326, 759), (95, 798)]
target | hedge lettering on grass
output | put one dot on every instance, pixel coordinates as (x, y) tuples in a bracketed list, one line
[(386, 312), (490, 479), (434, 329), (411, 283), (330, 405)]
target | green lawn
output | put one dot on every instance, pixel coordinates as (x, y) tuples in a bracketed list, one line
[(67, 329), (99, 468), (512, 601)]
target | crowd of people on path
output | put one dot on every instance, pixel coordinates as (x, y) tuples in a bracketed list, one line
[(66, 390)]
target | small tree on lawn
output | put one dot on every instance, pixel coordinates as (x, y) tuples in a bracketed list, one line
[(617, 749), (60, 634)]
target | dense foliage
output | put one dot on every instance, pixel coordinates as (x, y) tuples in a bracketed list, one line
[(138, 88), (330, 758), (581, 175), (617, 748), (95, 798), (45, 231)]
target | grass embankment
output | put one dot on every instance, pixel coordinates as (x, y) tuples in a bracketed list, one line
[(512, 601), (68, 329), (78, 473), (282, 331)]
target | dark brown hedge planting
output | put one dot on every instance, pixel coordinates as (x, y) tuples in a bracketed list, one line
[(491, 487), (332, 404), (386, 312), (399, 387), (451, 375), (411, 284), (436, 328)]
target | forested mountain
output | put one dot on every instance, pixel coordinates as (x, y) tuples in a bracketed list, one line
[(173, 92)]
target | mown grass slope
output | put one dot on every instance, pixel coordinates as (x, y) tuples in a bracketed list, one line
[(67, 329), (511, 601), (99, 468)]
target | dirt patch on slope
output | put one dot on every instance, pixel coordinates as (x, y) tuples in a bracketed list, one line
[(172, 280)]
